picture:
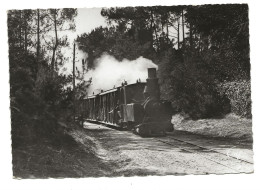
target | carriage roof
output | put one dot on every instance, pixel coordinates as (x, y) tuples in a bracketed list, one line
[(113, 90)]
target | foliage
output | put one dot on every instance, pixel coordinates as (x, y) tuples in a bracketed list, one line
[(222, 38), (56, 21), (25, 33), (37, 93), (239, 94), (212, 47), (217, 41), (35, 109), (166, 65), (143, 23), (115, 42), (190, 88)]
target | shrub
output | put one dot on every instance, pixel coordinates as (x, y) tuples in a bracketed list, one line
[(190, 87), (239, 94)]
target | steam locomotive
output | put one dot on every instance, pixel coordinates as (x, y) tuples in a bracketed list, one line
[(135, 106)]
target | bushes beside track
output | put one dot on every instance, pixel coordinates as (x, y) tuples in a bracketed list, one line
[(239, 94)]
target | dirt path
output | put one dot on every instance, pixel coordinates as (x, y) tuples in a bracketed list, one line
[(125, 153)]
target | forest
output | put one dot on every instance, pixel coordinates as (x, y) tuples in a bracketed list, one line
[(202, 53)]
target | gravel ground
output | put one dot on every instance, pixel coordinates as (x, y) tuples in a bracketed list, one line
[(97, 151), (127, 154)]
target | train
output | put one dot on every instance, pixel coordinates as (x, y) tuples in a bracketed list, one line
[(136, 107)]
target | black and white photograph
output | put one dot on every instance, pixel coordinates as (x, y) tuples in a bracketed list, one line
[(130, 91)]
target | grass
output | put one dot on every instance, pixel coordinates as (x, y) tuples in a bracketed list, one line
[(231, 126), (55, 158)]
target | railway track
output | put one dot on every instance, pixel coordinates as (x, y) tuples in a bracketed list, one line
[(228, 161), (235, 164)]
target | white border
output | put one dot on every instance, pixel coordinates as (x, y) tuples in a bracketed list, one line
[(237, 182)]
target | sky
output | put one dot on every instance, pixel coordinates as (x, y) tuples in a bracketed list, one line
[(86, 20)]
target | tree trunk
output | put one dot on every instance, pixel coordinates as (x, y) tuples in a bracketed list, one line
[(38, 34), (191, 36), (83, 67), (162, 25), (183, 33), (20, 30), (25, 34), (73, 70), (73, 80), (167, 28), (151, 29), (56, 44), (178, 33), (154, 28)]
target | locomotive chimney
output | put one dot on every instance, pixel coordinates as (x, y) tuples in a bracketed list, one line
[(152, 87), (151, 73)]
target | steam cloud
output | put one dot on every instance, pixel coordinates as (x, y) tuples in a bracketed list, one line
[(110, 72)]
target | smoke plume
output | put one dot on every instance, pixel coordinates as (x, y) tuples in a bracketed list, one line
[(109, 72)]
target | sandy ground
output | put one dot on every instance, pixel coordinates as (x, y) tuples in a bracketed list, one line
[(97, 151), (231, 126), (127, 154)]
